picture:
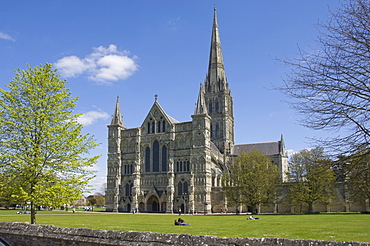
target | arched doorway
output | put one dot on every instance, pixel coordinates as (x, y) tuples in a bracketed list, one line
[(128, 207), (153, 204)]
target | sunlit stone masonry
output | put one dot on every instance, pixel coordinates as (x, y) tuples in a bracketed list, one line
[(169, 166)]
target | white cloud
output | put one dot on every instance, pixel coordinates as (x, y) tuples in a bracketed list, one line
[(91, 117), (98, 183), (71, 66), (6, 36), (103, 65), (291, 152), (94, 168), (114, 67)]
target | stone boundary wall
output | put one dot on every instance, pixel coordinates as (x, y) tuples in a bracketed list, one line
[(23, 234)]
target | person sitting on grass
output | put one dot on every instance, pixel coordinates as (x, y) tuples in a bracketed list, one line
[(180, 222), (252, 218)]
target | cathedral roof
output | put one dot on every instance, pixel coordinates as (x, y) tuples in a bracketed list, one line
[(158, 110), (172, 120), (267, 148), (214, 147)]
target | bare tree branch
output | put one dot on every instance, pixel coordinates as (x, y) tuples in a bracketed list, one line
[(330, 87)]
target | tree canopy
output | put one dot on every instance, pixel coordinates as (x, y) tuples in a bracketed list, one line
[(355, 172), (330, 86), (44, 155), (311, 178), (253, 180)]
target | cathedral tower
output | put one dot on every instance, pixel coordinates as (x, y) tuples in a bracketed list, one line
[(218, 98), (114, 159)]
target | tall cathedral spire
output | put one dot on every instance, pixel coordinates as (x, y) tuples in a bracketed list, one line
[(216, 78), (200, 107), (117, 118), (217, 95)]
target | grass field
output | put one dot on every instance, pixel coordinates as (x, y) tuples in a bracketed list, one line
[(337, 227)]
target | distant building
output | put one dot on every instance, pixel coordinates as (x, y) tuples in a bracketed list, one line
[(169, 166)]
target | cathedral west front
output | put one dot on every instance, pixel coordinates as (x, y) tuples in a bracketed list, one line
[(169, 166)]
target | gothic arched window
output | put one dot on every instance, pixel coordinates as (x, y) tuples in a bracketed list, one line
[(158, 126), (147, 159), (179, 188), (156, 156), (186, 166), (128, 169), (164, 158), (128, 188), (153, 127), (182, 188), (217, 130), (217, 107), (164, 126), (182, 166), (185, 187)]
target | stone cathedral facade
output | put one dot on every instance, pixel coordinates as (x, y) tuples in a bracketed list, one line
[(167, 166)]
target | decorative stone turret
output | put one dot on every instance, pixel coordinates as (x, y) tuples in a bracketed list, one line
[(114, 159)]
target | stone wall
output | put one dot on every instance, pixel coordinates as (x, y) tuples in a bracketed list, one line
[(23, 234)]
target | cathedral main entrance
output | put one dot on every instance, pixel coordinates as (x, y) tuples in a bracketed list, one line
[(153, 204)]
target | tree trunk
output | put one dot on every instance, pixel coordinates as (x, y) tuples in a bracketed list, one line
[(33, 213), (254, 209), (310, 208)]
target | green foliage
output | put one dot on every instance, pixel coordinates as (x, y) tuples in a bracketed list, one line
[(92, 201), (253, 180), (6, 198), (338, 227), (100, 199), (358, 176), (43, 153), (311, 177)]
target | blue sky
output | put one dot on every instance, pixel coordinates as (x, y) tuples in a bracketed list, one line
[(136, 49)]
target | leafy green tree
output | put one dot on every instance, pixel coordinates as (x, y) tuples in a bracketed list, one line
[(311, 177), (253, 180), (6, 196), (92, 202), (44, 155), (358, 177), (100, 199)]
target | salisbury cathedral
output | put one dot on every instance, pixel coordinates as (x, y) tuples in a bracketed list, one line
[(169, 166)]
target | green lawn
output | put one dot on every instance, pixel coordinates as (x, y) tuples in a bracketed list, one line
[(338, 227)]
